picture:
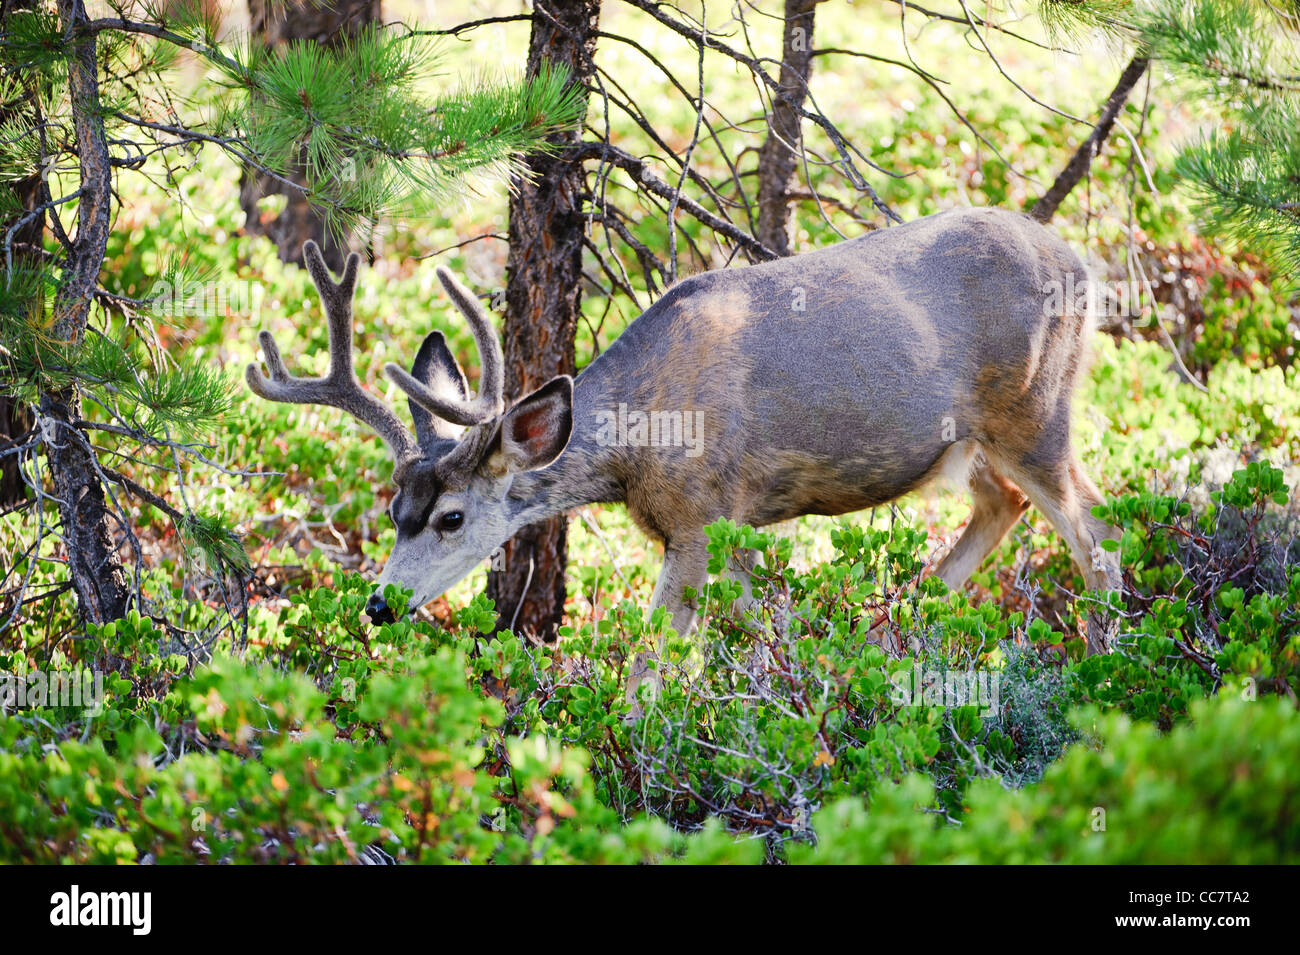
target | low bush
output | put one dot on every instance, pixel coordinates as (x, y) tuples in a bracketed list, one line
[(1219, 790), (784, 731)]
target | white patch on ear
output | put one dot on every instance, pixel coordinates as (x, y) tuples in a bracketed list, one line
[(536, 430)]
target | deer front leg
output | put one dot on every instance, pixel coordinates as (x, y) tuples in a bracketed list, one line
[(686, 565), (740, 568), (747, 611)]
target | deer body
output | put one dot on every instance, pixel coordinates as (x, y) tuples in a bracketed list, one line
[(823, 383)]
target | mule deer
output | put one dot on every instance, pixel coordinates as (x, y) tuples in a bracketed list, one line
[(823, 383)]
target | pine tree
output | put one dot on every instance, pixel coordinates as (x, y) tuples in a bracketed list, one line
[(276, 23), (15, 419), (83, 99), (543, 306), (1242, 57)]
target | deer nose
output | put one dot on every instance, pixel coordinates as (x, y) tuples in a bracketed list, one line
[(378, 610)]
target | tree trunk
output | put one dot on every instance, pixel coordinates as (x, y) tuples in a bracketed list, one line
[(778, 157), (15, 417), (93, 563), (15, 421), (276, 24), (543, 294)]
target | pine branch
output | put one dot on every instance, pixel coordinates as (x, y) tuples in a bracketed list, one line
[(1214, 40)]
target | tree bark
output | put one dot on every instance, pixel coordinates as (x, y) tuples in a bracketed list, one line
[(543, 296), (93, 563), (276, 24), (1081, 161), (15, 421), (15, 416), (778, 157)]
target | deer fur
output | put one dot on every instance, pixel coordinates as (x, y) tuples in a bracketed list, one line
[(823, 383)]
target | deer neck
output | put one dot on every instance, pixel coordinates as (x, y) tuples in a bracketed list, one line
[(584, 473)]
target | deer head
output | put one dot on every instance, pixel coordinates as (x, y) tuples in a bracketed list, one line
[(454, 474)]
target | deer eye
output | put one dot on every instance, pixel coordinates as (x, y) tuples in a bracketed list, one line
[(451, 521)]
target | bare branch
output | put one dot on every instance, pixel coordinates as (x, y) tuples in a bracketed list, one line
[(653, 184), (1081, 161)]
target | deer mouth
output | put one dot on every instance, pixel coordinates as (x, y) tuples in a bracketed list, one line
[(378, 611)]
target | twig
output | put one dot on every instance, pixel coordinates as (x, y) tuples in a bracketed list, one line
[(1081, 161)]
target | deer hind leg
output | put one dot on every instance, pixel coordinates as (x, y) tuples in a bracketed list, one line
[(1066, 497), (997, 505), (686, 564)]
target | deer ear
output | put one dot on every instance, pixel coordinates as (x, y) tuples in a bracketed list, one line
[(436, 367), (536, 430)]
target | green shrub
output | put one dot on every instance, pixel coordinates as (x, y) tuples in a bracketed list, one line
[(1218, 790), (326, 740), (1214, 599)]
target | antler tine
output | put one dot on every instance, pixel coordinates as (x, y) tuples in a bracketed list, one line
[(491, 385), (489, 402), (340, 388)]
